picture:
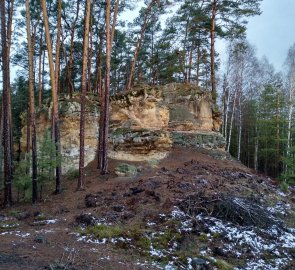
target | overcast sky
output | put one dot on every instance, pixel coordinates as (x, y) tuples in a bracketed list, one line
[(273, 32)]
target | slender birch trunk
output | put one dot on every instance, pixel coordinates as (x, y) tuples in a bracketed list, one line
[(290, 113), (240, 130), (231, 121)]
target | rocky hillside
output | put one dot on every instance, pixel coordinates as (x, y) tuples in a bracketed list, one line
[(145, 123), (190, 210)]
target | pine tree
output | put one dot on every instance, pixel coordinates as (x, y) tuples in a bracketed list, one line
[(83, 95), (7, 138)]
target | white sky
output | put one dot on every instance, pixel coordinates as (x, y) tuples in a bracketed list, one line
[(273, 32)]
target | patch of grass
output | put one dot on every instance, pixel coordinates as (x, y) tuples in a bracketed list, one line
[(223, 265), (13, 213), (203, 238), (165, 239), (104, 231), (8, 225), (144, 243)]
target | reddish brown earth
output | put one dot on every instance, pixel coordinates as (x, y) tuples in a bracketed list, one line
[(118, 200)]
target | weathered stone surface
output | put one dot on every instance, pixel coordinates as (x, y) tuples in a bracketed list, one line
[(139, 145), (69, 131), (144, 124), (202, 139)]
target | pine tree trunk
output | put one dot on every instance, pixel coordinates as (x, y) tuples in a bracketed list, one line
[(83, 95), (55, 116), (57, 50), (70, 84), (98, 67), (198, 65), (6, 112), (40, 73), (32, 106), (104, 94), (9, 36), (89, 86), (212, 53), (43, 74), (103, 143), (190, 63), (139, 43)]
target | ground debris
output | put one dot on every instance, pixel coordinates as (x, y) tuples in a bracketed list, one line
[(237, 210)]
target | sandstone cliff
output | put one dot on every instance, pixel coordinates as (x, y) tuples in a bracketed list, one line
[(144, 123)]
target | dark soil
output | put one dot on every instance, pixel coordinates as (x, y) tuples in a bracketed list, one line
[(32, 243)]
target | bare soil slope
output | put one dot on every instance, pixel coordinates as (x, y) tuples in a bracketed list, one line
[(190, 211)]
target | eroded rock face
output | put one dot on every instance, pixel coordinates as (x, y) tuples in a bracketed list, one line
[(69, 131), (144, 123)]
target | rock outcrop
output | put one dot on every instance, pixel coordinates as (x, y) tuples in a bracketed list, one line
[(144, 123)]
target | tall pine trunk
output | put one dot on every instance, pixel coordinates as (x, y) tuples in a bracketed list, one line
[(139, 43), (31, 114), (98, 71), (55, 116), (7, 145), (69, 82), (57, 50), (103, 139), (212, 52), (104, 93), (83, 95), (40, 73), (90, 37)]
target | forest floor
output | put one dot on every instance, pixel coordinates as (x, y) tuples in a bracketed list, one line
[(192, 210)]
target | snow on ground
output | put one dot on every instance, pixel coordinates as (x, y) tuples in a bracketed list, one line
[(233, 239)]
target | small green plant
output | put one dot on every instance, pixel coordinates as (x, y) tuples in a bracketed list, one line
[(47, 160), (22, 178), (284, 186)]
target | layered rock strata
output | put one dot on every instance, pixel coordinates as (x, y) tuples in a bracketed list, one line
[(144, 123)]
